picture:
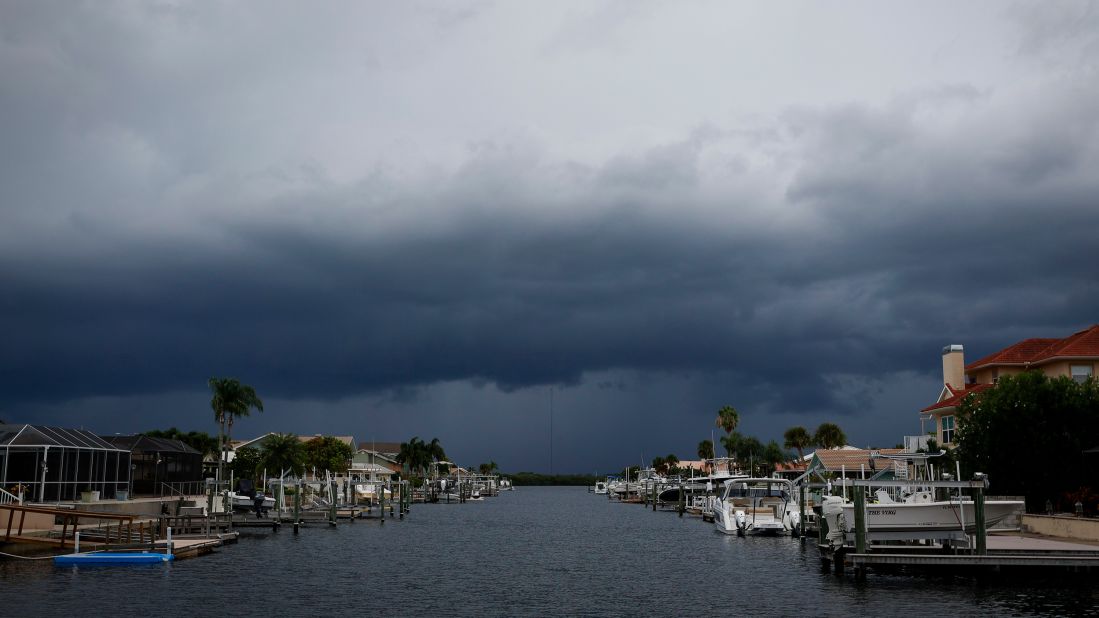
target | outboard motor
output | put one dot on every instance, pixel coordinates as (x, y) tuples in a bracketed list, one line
[(832, 511), (793, 520), (741, 522)]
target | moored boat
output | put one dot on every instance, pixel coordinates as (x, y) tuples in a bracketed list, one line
[(757, 506)]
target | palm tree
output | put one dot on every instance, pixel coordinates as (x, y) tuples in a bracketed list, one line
[(671, 463), (706, 450), (773, 455), (829, 435), (283, 452), (415, 454), (797, 437), (435, 453), (731, 442), (748, 448), (728, 418), (230, 400), (659, 464)]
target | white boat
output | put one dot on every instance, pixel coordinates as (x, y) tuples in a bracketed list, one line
[(370, 491), (917, 512), (601, 487), (757, 506), (244, 503), (909, 506)]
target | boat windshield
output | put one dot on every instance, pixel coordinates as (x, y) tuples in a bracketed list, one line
[(739, 490)]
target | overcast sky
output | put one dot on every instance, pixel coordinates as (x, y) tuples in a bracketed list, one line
[(430, 218)]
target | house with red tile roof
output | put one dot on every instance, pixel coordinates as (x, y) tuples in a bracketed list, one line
[(1075, 356)]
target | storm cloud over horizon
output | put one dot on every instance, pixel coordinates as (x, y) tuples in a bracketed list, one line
[(419, 218)]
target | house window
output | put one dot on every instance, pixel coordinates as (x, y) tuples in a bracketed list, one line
[(948, 429), (1081, 373)]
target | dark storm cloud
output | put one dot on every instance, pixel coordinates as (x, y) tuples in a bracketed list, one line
[(503, 295), (182, 195)]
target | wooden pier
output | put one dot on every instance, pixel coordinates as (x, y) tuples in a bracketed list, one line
[(1003, 553)]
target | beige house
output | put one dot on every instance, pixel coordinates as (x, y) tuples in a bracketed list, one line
[(1076, 357)]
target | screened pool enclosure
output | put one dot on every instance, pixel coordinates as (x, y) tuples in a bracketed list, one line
[(52, 464)]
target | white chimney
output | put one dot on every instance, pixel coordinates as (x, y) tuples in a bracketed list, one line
[(954, 366)]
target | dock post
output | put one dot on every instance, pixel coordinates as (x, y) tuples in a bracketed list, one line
[(860, 520), (801, 505), (332, 502), (979, 519), (654, 496), (169, 540), (381, 500), (76, 542), (682, 499), (297, 507)]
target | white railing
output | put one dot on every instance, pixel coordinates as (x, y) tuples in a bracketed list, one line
[(900, 469), (9, 498)]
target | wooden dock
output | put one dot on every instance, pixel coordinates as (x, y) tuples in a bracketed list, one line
[(1003, 552)]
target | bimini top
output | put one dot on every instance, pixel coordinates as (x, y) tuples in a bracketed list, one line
[(40, 435)]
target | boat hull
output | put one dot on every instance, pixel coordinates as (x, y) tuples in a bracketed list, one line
[(930, 516), (246, 504)]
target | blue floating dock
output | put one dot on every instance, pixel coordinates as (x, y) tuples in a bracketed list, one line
[(95, 557)]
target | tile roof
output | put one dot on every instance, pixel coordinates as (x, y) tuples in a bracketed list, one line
[(956, 396), (1017, 354), (1038, 350), (851, 459), (348, 440), (380, 447), (1083, 343)]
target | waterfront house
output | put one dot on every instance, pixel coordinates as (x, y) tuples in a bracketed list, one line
[(52, 464), (1075, 356), (374, 462), (161, 466)]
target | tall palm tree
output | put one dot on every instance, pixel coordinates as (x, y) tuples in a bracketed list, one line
[(829, 435), (728, 418), (797, 437), (230, 400), (659, 464)]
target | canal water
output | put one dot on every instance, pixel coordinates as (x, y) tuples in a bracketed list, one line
[(532, 552)]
